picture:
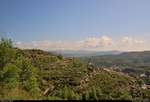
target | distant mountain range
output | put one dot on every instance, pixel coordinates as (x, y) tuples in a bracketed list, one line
[(85, 53)]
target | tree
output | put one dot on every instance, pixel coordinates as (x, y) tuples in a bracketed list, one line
[(9, 78), (60, 57), (140, 82), (28, 75), (93, 93), (7, 53), (11, 75), (32, 85), (91, 66), (68, 94)]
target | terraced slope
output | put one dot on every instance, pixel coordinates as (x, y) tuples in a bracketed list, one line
[(56, 73)]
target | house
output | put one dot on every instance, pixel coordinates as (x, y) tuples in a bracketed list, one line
[(98, 69), (94, 71), (146, 86), (117, 69), (143, 75), (90, 63), (106, 69)]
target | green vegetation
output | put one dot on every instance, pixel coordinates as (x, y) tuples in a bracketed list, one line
[(36, 74), (15, 70), (134, 63)]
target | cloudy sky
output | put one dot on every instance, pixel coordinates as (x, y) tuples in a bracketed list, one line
[(77, 24)]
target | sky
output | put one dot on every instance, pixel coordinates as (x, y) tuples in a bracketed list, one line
[(77, 24)]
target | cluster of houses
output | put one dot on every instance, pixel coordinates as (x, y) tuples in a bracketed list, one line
[(146, 86), (145, 75)]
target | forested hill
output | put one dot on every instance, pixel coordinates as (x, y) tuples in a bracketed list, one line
[(128, 59), (36, 74)]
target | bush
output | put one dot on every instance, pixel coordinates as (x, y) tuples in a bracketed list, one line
[(11, 75)]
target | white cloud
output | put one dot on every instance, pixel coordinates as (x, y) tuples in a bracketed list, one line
[(106, 41), (130, 41), (18, 43), (91, 43), (131, 44)]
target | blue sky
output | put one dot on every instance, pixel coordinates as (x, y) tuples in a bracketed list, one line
[(72, 20)]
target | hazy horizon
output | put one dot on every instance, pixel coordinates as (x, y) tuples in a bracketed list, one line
[(94, 25)]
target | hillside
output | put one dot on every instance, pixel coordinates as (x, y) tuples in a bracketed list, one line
[(72, 73), (137, 62), (37, 74)]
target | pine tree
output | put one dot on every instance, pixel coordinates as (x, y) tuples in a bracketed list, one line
[(69, 94), (28, 75), (11, 75), (93, 94)]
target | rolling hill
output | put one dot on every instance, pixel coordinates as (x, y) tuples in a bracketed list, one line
[(138, 62), (85, 53)]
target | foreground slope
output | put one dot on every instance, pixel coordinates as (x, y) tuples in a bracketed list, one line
[(58, 72)]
